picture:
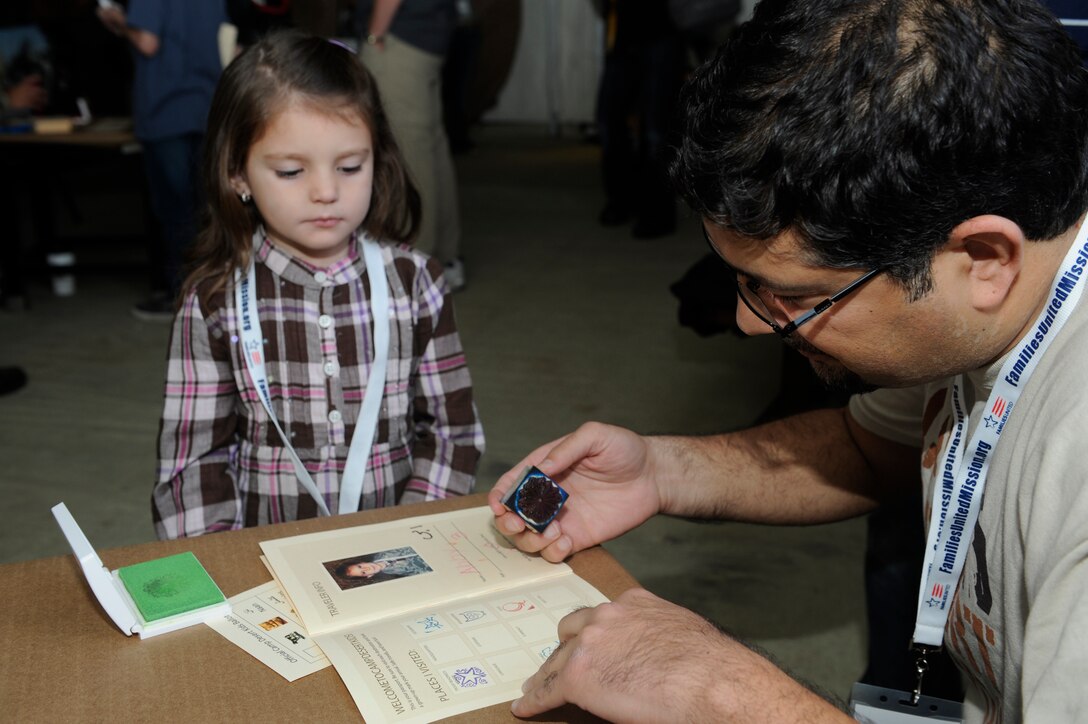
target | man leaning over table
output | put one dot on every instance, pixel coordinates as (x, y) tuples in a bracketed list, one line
[(899, 186)]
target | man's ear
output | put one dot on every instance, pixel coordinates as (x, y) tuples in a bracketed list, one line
[(991, 252)]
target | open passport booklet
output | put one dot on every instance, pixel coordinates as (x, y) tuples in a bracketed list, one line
[(427, 617)]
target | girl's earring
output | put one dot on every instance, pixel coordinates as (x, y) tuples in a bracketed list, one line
[(246, 198)]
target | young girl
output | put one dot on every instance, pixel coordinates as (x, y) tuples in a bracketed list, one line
[(311, 369)]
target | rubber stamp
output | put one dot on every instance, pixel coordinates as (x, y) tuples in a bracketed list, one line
[(537, 499)]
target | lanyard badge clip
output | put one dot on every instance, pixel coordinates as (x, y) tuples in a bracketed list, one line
[(921, 666)]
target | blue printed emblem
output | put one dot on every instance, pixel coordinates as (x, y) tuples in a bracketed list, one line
[(430, 623), (470, 676)]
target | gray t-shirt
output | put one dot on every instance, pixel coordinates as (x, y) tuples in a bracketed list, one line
[(1018, 626)]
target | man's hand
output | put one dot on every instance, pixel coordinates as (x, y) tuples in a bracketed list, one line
[(609, 475), (642, 659), (28, 94)]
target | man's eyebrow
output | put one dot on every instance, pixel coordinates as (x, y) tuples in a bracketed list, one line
[(785, 289)]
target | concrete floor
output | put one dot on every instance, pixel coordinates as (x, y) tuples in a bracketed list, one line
[(563, 321)]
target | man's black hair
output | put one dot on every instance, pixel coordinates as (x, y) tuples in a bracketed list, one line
[(873, 127)]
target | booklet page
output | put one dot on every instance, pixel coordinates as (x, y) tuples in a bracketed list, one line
[(446, 659), (342, 578)]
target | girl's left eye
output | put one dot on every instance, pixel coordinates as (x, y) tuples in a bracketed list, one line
[(288, 174), (352, 169)]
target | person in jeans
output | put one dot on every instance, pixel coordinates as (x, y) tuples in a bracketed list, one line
[(404, 46), (177, 63)]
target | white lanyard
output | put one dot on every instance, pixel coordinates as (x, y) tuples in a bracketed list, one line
[(956, 503), (351, 486)]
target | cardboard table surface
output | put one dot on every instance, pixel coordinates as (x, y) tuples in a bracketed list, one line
[(66, 661)]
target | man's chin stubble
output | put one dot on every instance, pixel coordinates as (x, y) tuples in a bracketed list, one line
[(834, 376), (837, 378)]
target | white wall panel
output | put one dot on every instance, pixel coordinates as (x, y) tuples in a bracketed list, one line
[(557, 66)]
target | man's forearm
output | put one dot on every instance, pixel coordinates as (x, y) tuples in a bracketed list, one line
[(808, 468)]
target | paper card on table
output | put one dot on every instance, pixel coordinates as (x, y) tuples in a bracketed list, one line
[(263, 624)]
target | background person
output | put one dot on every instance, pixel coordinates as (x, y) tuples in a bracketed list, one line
[(176, 50), (24, 53), (636, 101), (26, 94), (404, 45), (21, 94)]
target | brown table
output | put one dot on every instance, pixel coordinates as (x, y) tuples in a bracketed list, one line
[(65, 661), (102, 133)]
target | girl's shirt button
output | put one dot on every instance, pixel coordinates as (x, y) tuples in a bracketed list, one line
[(335, 416), (325, 321), (321, 277)]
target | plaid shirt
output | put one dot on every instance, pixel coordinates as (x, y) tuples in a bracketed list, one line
[(222, 464)]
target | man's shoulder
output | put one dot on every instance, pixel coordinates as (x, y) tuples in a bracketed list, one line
[(1056, 395), (1064, 361), (894, 413)]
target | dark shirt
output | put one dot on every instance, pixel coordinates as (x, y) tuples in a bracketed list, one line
[(424, 24), (172, 90)]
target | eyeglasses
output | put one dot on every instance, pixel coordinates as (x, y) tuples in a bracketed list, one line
[(751, 293)]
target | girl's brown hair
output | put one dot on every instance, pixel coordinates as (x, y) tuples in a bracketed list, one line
[(282, 68)]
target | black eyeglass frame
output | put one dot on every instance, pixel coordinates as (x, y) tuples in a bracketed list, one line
[(767, 316)]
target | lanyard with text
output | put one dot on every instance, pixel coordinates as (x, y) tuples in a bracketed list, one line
[(957, 501), (351, 486)]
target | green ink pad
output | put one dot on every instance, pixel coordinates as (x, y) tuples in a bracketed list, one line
[(169, 586)]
